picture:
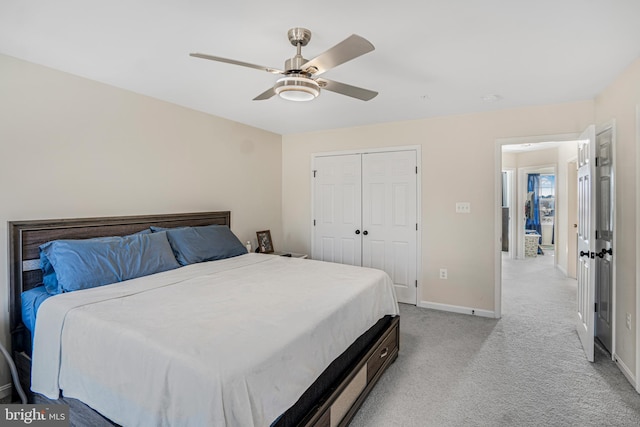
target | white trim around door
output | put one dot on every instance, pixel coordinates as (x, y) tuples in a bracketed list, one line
[(637, 385)]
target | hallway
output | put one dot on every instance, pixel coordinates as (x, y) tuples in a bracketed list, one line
[(534, 285)]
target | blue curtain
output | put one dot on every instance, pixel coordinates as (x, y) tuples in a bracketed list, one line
[(532, 208)]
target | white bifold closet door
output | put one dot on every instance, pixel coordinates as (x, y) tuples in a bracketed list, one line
[(365, 213), (338, 209)]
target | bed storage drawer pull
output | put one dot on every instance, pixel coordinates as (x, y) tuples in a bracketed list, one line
[(384, 352)]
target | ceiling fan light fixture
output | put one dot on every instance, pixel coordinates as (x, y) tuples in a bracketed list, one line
[(297, 88)]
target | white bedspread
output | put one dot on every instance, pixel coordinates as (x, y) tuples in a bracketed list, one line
[(224, 343)]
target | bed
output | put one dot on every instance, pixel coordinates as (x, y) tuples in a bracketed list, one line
[(308, 386)]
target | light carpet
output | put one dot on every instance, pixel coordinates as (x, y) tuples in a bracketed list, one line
[(526, 369)]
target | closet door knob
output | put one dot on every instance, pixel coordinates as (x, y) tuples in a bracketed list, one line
[(365, 232), (357, 231)]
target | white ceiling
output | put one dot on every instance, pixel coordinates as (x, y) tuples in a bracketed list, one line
[(432, 57)]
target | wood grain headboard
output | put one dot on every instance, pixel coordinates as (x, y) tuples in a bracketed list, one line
[(25, 237)]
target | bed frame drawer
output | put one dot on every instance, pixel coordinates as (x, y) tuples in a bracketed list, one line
[(384, 351), (341, 406)]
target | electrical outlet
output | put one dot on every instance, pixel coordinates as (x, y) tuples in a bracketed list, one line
[(443, 273), (463, 207), (629, 321)]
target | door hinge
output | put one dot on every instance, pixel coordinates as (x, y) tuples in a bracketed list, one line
[(314, 173), (597, 161), (416, 169), (416, 283), (595, 308), (314, 222), (416, 226)]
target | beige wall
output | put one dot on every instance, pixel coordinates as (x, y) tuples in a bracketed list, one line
[(71, 147), (458, 164), (618, 101), (564, 224)]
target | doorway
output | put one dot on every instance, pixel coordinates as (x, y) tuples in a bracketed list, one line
[(565, 219), (563, 150), (536, 222)]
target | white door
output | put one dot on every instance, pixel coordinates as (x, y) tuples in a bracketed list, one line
[(604, 238), (389, 226), (586, 241), (337, 209), (365, 213)]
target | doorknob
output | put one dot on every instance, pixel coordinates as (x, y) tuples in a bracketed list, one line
[(582, 253), (365, 232), (603, 252), (357, 231)]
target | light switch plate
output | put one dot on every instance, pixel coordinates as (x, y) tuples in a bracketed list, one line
[(463, 207)]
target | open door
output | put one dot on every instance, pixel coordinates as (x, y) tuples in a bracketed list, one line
[(604, 183), (586, 241)]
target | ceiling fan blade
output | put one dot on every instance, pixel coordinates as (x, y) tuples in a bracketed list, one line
[(345, 89), (265, 95), (234, 62), (348, 49)]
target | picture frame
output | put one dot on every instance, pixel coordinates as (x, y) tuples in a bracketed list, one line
[(265, 244)]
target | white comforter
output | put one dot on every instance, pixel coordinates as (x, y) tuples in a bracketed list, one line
[(224, 343)]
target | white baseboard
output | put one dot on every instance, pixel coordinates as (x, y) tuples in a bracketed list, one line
[(457, 309), (5, 390), (625, 370)]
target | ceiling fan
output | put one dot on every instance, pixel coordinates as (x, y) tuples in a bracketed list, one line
[(301, 81)]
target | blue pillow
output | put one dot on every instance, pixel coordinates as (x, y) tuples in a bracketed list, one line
[(48, 275), (198, 244), (49, 279), (83, 264)]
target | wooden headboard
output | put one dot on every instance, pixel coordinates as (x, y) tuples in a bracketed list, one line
[(25, 237)]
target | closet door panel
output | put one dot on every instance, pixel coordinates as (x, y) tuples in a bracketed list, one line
[(375, 254), (337, 209), (389, 218)]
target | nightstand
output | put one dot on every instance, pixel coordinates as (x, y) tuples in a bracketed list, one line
[(289, 254)]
